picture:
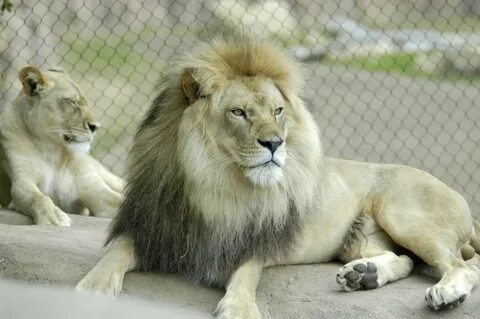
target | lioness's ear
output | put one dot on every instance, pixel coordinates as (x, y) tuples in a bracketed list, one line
[(32, 80), (190, 87)]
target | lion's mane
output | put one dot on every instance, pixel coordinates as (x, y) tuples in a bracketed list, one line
[(171, 231)]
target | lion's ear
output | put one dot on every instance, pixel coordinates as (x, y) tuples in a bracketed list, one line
[(32, 80), (190, 87)]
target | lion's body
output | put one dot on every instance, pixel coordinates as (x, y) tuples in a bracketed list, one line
[(356, 188), (45, 169), (207, 248), (227, 176)]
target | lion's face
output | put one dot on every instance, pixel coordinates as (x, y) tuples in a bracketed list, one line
[(247, 122), (242, 122), (59, 111)]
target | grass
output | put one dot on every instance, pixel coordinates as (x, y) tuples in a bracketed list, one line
[(400, 63), (99, 53), (454, 23)]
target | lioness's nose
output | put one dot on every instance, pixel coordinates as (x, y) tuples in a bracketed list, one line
[(92, 126), (271, 145)]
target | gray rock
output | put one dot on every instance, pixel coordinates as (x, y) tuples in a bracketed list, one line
[(56, 256)]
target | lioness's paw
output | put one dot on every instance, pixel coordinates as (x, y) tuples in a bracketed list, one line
[(98, 282), (53, 216), (234, 308), (441, 297), (358, 274)]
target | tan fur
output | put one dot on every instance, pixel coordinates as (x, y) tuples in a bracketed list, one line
[(45, 136), (240, 75), (199, 134)]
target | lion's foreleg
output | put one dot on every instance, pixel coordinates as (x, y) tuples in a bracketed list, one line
[(107, 275), (239, 299)]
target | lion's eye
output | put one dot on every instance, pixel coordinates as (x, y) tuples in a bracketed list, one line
[(238, 112), (279, 111)]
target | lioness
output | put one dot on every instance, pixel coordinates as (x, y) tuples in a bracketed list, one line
[(46, 169), (227, 177)]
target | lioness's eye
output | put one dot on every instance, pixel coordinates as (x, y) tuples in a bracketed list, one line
[(278, 110), (238, 112), (70, 101)]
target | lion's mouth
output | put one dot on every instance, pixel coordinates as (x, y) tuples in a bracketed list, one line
[(266, 173), (267, 163)]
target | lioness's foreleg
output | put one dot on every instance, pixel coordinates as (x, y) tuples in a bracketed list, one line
[(107, 275), (113, 181), (239, 299), (28, 199), (97, 196), (370, 260), (101, 200), (5, 188)]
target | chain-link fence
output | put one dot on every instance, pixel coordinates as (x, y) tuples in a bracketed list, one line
[(392, 81)]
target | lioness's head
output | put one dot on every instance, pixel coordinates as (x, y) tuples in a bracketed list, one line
[(56, 110), (242, 99)]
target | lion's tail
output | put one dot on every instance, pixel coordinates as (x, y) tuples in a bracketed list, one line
[(469, 249), (475, 242)]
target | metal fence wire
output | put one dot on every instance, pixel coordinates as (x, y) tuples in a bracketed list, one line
[(393, 81)]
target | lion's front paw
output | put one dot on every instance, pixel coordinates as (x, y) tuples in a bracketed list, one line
[(358, 274), (235, 308), (108, 283), (52, 216)]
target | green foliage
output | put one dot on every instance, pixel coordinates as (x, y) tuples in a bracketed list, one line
[(99, 52), (395, 62), (400, 63), (6, 6)]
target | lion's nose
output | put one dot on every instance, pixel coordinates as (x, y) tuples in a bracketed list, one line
[(271, 145)]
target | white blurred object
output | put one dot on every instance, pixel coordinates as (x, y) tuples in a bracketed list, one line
[(54, 302), (271, 16)]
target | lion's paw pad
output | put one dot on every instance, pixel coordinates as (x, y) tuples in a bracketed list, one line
[(358, 275)]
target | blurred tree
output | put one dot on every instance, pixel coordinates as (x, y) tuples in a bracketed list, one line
[(6, 6)]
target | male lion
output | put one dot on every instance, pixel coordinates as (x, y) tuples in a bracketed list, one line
[(45, 136), (227, 177)]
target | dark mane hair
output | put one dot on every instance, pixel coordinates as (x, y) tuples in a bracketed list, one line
[(170, 234)]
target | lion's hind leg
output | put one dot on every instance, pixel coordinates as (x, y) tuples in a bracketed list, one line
[(456, 284), (371, 262), (461, 273), (440, 235)]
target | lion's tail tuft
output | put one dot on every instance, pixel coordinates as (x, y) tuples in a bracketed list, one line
[(475, 242)]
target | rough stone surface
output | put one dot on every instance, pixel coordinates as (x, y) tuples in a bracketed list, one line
[(61, 256)]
